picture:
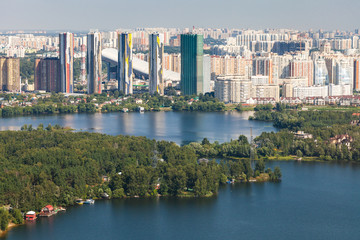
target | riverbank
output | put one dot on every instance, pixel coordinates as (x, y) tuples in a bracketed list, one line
[(293, 158), (264, 177), (15, 111), (91, 165), (9, 227), (325, 192)]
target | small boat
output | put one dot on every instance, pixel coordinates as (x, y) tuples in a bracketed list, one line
[(59, 209), (79, 202), (141, 109), (230, 181), (89, 201), (105, 195)]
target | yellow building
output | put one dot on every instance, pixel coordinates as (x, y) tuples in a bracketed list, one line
[(10, 74)]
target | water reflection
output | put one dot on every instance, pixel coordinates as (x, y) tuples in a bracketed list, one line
[(128, 124), (179, 127), (157, 124)]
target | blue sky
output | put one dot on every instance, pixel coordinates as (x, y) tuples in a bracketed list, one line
[(113, 14)]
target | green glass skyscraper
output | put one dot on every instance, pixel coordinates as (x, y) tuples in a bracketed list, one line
[(192, 52)]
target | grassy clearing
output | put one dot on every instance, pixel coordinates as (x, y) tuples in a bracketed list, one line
[(332, 108)]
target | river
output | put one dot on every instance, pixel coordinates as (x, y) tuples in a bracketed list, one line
[(179, 127), (313, 201)]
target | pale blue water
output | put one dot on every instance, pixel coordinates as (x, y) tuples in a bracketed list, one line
[(178, 127), (314, 200)]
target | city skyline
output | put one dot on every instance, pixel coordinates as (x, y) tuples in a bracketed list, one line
[(256, 64), (304, 15)]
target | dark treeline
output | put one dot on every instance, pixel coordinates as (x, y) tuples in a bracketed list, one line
[(284, 144), (201, 103), (293, 119), (47, 109), (57, 103), (55, 166)]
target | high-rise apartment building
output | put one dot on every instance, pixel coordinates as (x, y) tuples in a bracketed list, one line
[(302, 68), (47, 74), (357, 74), (230, 65), (207, 73), (325, 48), (172, 62), (192, 80), (3, 73), (94, 66), (321, 76), (340, 69), (156, 52), (263, 66), (10, 74), (83, 64), (66, 53), (282, 64), (331, 62), (344, 72), (125, 68)]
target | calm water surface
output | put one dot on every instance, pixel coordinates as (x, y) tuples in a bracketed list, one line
[(314, 201), (178, 127)]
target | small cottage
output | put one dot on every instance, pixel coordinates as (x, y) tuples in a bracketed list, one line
[(30, 216), (47, 211), (48, 208)]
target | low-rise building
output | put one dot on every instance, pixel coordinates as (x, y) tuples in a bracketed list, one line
[(303, 135), (313, 91), (290, 100), (239, 89), (232, 89), (340, 90), (339, 140)]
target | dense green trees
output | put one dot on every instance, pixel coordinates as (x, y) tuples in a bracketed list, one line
[(201, 103), (47, 109), (322, 125), (4, 219), (239, 108), (6, 216), (294, 120), (53, 166), (27, 68), (58, 103)]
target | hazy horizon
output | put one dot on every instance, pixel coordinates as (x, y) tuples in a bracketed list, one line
[(79, 15)]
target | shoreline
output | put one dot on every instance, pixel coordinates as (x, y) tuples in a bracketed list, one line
[(165, 109), (10, 226), (262, 178), (292, 158)]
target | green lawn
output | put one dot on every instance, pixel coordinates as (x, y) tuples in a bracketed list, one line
[(330, 108)]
